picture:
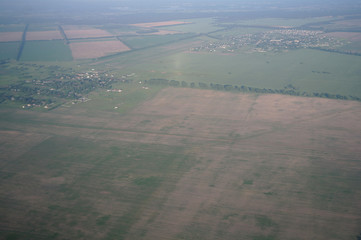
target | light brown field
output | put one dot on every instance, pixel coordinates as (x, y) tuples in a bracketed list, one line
[(83, 50), (10, 36), (43, 35), (86, 33), (263, 167), (349, 23), (163, 32), (159, 24), (352, 36)]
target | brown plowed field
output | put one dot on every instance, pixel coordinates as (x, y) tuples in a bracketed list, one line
[(86, 33), (43, 35), (83, 50), (10, 36)]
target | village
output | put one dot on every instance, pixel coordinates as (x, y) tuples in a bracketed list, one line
[(60, 87), (271, 41)]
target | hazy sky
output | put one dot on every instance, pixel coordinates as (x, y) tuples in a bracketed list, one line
[(12, 9)]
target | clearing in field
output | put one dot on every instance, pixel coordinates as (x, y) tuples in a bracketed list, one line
[(84, 50), (43, 35), (159, 24), (10, 36)]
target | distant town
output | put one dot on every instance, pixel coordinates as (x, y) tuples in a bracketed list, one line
[(272, 41)]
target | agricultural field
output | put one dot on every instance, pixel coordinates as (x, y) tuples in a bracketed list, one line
[(159, 24), (9, 50), (307, 70), (185, 164), (55, 50), (95, 144), (199, 25), (85, 32), (43, 35), (149, 41), (10, 36), (96, 49)]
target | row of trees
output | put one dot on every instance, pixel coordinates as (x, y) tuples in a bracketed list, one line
[(226, 87)]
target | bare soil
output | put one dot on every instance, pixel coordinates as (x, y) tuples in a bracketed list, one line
[(10, 36), (43, 35), (86, 33), (83, 50)]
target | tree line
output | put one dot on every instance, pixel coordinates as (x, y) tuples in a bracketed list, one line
[(287, 90)]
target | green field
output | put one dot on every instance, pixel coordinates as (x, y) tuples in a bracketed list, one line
[(9, 50), (307, 70), (148, 41), (12, 28), (43, 51), (198, 25)]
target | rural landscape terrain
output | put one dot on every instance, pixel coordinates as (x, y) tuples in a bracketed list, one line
[(198, 122)]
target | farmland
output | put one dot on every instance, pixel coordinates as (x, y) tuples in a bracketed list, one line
[(181, 129), (95, 49), (9, 50), (222, 167), (43, 35), (44, 51)]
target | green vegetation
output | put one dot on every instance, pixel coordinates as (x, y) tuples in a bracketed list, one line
[(9, 50), (42, 51), (12, 28), (148, 41), (197, 25), (264, 222)]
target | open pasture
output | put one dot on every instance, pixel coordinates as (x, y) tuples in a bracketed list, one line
[(224, 166), (307, 70), (95, 49)]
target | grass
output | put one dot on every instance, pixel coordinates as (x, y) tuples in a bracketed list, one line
[(198, 25), (138, 164), (89, 172), (9, 50), (304, 69), (12, 28), (81, 174), (148, 41), (121, 103), (42, 51)]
